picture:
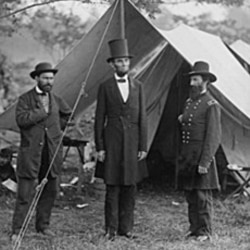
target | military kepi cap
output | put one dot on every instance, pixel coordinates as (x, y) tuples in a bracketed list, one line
[(202, 68), (42, 68), (118, 49)]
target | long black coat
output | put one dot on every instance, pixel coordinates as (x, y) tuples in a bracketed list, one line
[(121, 130), (201, 135), (34, 124)]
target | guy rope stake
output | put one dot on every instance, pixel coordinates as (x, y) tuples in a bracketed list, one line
[(41, 186)]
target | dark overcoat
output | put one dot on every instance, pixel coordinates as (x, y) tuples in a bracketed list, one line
[(36, 126), (201, 135), (121, 130)]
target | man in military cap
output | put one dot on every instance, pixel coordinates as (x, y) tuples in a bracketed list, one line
[(41, 116), (121, 140), (201, 134)]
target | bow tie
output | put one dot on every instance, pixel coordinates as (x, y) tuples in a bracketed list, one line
[(42, 94), (121, 80)]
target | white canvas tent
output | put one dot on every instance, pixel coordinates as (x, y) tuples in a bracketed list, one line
[(161, 59), (231, 89), (242, 52)]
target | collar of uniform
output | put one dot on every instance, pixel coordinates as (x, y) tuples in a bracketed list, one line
[(199, 96), (125, 77)]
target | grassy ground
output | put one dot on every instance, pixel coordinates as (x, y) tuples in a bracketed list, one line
[(160, 223)]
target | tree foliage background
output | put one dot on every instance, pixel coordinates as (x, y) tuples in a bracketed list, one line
[(59, 31)]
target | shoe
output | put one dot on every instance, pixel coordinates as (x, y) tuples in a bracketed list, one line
[(128, 235), (110, 236), (189, 235), (13, 238), (47, 232), (202, 238)]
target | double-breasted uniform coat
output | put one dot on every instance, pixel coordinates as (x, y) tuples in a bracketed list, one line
[(200, 139), (120, 130), (40, 136), (201, 134)]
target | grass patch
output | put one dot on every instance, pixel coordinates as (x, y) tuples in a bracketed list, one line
[(160, 223)]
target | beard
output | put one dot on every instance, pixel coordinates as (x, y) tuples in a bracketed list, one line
[(195, 92), (122, 73), (46, 88)]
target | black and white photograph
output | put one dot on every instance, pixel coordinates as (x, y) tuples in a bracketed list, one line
[(125, 124)]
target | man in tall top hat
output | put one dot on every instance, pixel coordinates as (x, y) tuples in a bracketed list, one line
[(201, 134), (41, 116), (121, 140)]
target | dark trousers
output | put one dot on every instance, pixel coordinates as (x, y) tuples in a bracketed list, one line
[(119, 208), (25, 194), (200, 206)]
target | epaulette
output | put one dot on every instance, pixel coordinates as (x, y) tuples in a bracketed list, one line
[(212, 102)]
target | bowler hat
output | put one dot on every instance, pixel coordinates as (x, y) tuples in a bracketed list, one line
[(42, 68), (118, 48), (202, 68)]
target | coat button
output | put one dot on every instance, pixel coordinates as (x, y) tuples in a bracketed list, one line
[(46, 129), (40, 143)]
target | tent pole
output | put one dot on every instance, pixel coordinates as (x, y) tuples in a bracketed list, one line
[(179, 83), (122, 19)]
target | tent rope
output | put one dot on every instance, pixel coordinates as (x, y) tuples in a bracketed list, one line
[(41, 186)]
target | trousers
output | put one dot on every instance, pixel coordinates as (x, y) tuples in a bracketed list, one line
[(25, 194), (200, 206), (119, 208)]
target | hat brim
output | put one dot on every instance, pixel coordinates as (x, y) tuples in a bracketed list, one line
[(211, 76), (111, 58), (34, 73)]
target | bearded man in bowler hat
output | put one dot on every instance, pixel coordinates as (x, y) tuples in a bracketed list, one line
[(121, 140), (41, 116), (201, 135)]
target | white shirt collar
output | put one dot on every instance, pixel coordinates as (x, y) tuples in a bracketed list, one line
[(38, 90), (125, 77)]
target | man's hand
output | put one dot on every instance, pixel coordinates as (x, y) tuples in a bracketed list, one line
[(101, 155), (141, 155), (180, 118), (202, 170)]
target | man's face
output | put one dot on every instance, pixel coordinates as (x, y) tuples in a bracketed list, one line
[(121, 65), (3, 160), (198, 85), (45, 81)]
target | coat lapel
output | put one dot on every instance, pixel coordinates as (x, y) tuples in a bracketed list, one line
[(117, 94), (131, 85), (38, 100), (115, 91)]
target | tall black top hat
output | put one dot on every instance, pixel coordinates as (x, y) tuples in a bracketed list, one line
[(42, 68), (118, 48), (202, 68)]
